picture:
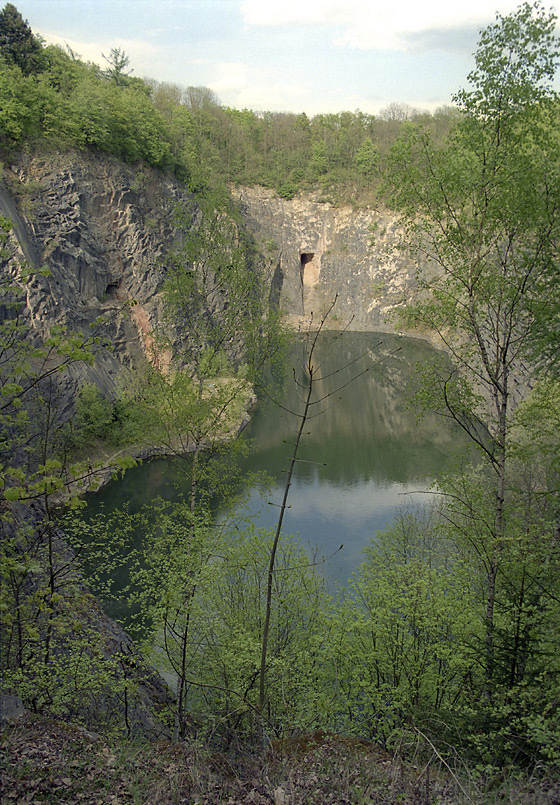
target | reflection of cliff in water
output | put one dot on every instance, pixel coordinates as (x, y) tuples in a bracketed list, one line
[(368, 429), (376, 454)]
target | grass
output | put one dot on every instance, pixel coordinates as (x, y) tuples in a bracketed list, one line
[(43, 760)]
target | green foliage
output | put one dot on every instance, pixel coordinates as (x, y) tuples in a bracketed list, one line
[(101, 545), (118, 62), (31, 426), (525, 610), (55, 654), (52, 651), (536, 432), (454, 621), (231, 646), (198, 588), (288, 190), (514, 64), (367, 158), (94, 413), (191, 402), (483, 208), (16, 115), (67, 103), (18, 45), (122, 422), (218, 294), (50, 97), (405, 659)]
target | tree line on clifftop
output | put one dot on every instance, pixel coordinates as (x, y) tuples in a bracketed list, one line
[(50, 98)]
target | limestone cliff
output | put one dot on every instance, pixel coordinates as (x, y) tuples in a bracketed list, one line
[(316, 251), (103, 228)]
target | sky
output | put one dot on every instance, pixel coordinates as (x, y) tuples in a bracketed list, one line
[(312, 56)]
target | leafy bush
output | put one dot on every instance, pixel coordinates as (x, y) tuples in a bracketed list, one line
[(94, 413)]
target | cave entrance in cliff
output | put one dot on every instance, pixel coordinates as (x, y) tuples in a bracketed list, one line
[(308, 268), (112, 290)]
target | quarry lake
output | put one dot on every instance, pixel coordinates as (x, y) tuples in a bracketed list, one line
[(364, 452)]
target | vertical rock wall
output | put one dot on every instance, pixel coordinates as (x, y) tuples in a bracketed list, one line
[(316, 251), (102, 230)]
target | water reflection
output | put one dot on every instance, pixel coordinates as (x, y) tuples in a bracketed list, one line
[(367, 430), (364, 453)]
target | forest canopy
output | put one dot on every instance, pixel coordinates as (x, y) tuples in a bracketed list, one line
[(50, 98)]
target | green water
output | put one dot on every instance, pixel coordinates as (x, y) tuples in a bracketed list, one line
[(364, 453)]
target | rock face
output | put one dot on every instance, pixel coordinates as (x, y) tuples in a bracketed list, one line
[(103, 229), (316, 251), (11, 708)]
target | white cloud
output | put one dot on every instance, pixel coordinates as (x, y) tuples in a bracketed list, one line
[(295, 12), (230, 77), (272, 97), (237, 84), (356, 502), (374, 24)]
